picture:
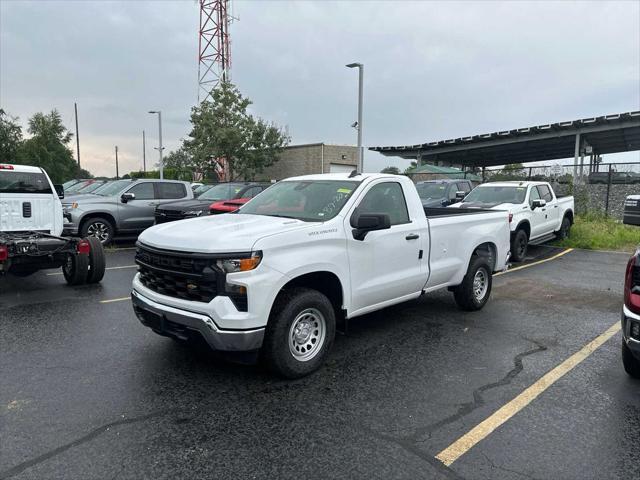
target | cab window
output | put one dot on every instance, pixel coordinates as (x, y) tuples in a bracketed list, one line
[(386, 198), (171, 190), (535, 195), (545, 193), (142, 191)]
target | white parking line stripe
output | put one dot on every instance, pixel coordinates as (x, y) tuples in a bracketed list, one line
[(504, 413), (564, 252), (115, 300), (108, 268)]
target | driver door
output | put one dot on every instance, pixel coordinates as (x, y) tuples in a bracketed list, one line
[(386, 264), (138, 214), (538, 215)]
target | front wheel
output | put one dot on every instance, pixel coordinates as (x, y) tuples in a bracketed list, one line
[(474, 291), (99, 228), (300, 332), (631, 364)]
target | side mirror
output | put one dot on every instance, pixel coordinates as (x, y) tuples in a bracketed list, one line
[(59, 191), (460, 196), (364, 223), (538, 203), (127, 197)]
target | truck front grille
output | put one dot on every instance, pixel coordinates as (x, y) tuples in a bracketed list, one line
[(164, 216), (178, 274)]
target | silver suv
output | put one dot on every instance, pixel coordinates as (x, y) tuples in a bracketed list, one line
[(123, 207)]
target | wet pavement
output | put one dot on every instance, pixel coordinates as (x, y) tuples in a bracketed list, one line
[(87, 392)]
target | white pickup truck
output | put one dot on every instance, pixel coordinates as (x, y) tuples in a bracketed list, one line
[(536, 214), (30, 228), (275, 275)]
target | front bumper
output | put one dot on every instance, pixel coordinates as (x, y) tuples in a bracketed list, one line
[(627, 318), (182, 324)]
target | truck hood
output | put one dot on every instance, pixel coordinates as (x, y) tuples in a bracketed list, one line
[(92, 199), (191, 204), (218, 233)]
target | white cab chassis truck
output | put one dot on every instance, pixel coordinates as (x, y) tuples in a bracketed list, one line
[(30, 227), (274, 276), (536, 214)]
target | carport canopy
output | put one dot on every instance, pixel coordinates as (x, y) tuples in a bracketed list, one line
[(592, 136)]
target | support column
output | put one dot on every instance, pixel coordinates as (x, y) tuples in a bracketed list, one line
[(576, 157)]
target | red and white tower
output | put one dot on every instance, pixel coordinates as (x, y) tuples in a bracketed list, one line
[(214, 57)]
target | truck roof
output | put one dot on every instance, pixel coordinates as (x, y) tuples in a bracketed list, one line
[(344, 176), (512, 183), (20, 168)]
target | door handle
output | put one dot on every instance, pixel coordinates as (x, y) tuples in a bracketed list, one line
[(412, 236), (555, 206)]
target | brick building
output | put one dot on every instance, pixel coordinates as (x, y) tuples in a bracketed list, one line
[(312, 158)]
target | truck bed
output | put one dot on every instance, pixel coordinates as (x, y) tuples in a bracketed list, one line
[(432, 212)]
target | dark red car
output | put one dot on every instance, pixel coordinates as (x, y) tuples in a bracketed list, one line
[(631, 308), (243, 194)]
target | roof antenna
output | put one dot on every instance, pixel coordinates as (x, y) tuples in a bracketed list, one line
[(354, 173)]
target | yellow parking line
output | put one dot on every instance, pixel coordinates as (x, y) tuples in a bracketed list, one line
[(108, 268), (122, 299), (564, 252), (504, 413)]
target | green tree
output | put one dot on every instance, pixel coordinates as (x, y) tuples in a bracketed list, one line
[(412, 166), (47, 147), (10, 137), (178, 159), (392, 170), (222, 129)]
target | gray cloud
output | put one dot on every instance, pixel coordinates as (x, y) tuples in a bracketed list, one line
[(434, 70)]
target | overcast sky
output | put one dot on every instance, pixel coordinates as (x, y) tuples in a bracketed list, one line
[(434, 70)]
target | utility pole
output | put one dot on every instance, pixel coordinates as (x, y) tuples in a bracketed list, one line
[(117, 172), (144, 153), (360, 68), (159, 140), (75, 107)]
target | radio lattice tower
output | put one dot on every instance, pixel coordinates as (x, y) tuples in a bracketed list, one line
[(214, 57)]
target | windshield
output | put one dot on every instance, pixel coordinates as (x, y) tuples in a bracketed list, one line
[(112, 188), (428, 191), (222, 191), (78, 186), (497, 195), (91, 187), (66, 185), (201, 189), (310, 201), (23, 182)]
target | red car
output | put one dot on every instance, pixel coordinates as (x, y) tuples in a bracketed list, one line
[(242, 196)]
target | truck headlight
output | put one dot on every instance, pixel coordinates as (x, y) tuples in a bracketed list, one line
[(194, 213), (241, 263), (70, 206)]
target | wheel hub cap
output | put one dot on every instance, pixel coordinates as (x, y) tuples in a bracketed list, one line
[(480, 284), (98, 230), (307, 334)]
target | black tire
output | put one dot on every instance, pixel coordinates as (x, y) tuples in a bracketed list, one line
[(519, 246), (97, 263), (76, 268), (469, 295), (99, 228), (303, 306), (565, 229), (631, 363)]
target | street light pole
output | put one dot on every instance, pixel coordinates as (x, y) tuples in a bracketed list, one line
[(159, 141), (144, 153), (117, 172), (360, 68)]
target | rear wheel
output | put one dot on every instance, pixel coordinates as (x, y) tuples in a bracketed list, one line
[(76, 268), (519, 246), (631, 363), (565, 229), (99, 228), (300, 333), (474, 291), (97, 262)]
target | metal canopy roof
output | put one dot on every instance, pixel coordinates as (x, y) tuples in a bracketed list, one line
[(606, 134)]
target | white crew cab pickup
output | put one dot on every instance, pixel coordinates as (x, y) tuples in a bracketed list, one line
[(536, 214), (276, 274), (30, 228)]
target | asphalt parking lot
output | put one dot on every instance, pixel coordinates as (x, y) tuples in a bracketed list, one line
[(87, 392)]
